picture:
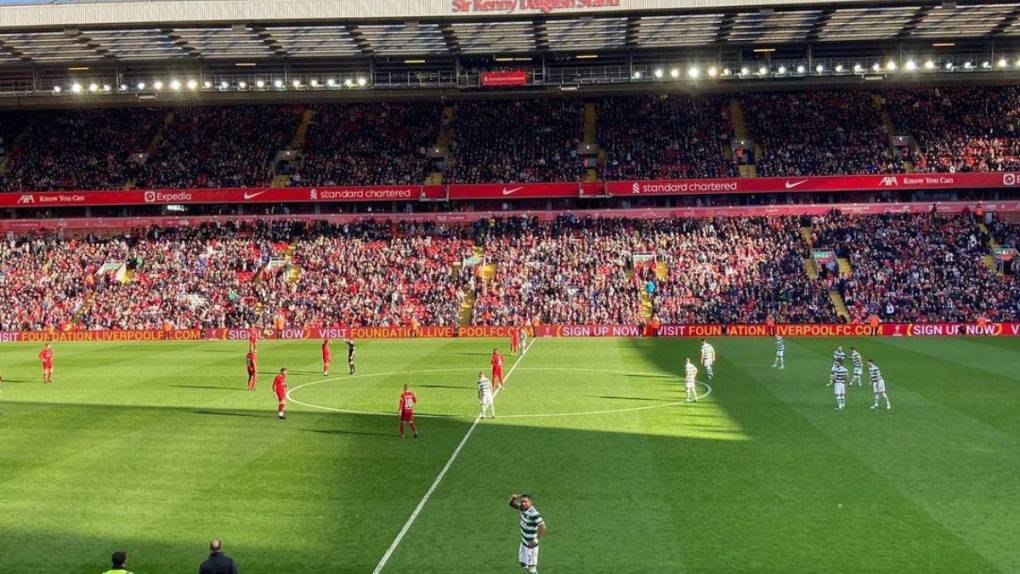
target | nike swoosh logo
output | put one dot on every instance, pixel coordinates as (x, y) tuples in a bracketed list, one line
[(512, 190), (793, 184), (252, 195)]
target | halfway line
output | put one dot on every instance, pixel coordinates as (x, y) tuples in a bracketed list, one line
[(442, 473)]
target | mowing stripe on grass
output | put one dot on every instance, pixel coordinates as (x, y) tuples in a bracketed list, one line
[(442, 473)]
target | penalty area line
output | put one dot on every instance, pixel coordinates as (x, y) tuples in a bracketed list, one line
[(442, 473)]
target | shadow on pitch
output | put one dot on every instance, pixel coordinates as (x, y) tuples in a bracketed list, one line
[(351, 432), (234, 414), (19, 381), (210, 387)]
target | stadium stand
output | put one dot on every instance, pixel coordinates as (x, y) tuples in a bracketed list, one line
[(916, 268), (369, 144), (961, 129), (807, 133), (663, 137), (505, 141), (220, 146)]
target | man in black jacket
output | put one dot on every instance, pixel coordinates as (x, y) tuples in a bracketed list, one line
[(218, 562)]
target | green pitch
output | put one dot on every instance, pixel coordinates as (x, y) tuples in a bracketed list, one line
[(155, 448)]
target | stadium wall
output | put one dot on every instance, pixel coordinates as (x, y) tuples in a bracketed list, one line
[(441, 332)]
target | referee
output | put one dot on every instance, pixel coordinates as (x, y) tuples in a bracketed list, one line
[(532, 530), (351, 351)]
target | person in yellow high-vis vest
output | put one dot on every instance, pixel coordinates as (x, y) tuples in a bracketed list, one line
[(119, 558)]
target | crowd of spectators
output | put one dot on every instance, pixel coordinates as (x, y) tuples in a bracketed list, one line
[(812, 133), (734, 270), (507, 141), (916, 268), (517, 270), (369, 144), (664, 137), (77, 149), (568, 271), (960, 129), (220, 146)]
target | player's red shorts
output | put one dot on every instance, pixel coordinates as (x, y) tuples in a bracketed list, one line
[(326, 358), (47, 366), (251, 372), (281, 397), (406, 416)]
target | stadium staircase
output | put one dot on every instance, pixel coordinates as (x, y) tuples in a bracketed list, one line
[(442, 142), (839, 305), (153, 145), (298, 141), (989, 259), (86, 306), (810, 267), (14, 145), (590, 119), (891, 129), (740, 133), (845, 269), (467, 305)]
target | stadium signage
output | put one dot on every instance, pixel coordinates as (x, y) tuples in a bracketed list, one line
[(501, 79), (508, 191), (514, 6), (692, 331)]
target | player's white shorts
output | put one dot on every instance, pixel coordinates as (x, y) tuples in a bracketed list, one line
[(839, 389), (486, 400), (879, 387), (707, 362), (528, 556), (779, 354), (858, 372), (689, 385)]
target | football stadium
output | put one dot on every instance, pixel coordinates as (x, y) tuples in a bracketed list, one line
[(500, 286)]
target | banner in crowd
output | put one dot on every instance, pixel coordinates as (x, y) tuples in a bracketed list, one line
[(480, 331), (504, 78), (511, 191)]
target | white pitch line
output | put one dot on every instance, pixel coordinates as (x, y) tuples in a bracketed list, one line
[(291, 398), (442, 473)]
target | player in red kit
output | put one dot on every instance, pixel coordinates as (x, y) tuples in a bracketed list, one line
[(406, 410), (253, 338), (251, 361), (46, 356), (515, 341), (497, 369), (280, 388), (326, 356)]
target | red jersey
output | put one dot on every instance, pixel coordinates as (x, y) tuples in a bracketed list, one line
[(253, 338), (497, 362), (407, 401), (515, 337), (46, 356), (250, 360), (325, 350), (280, 386)]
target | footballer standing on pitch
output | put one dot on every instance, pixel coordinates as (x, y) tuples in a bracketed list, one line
[(532, 531), (351, 351)]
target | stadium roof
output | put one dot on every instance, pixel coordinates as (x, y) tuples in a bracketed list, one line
[(128, 31), (73, 46)]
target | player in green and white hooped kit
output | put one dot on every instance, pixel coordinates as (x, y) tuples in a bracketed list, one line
[(837, 380), (707, 357), (690, 381), (485, 395), (532, 531), (838, 356), (858, 363), (780, 350), (878, 385)]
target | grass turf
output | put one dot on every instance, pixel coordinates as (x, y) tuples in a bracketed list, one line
[(156, 447)]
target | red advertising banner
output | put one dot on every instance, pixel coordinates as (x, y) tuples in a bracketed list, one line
[(503, 79), (828, 183), (679, 331), (511, 191), (225, 195)]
